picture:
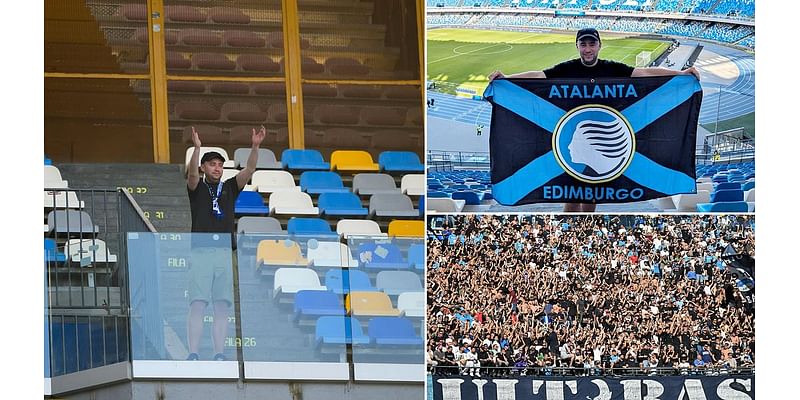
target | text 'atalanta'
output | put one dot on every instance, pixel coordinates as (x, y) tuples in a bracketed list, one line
[(592, 91)]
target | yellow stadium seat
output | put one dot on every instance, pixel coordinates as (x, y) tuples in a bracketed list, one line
[(370, 303), (407, 228), (352, 160), (279, 253)]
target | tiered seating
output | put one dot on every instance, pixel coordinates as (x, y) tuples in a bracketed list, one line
[(454, 191)]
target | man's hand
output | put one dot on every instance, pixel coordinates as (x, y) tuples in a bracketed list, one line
[(693, 71), (259, 136), (195, 138), (496, 74)]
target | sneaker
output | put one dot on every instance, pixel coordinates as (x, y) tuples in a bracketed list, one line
[(220, 357), (193, 357)]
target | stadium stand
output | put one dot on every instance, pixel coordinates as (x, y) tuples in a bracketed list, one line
[(591, 296)]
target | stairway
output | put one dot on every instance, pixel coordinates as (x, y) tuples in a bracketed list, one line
[(159, 190)]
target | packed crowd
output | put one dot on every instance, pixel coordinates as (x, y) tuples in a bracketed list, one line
[(589, 295)]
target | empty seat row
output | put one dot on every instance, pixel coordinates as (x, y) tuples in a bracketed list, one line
[(309, 159), (300, 203), (229, 37), (257, 63), (278, 89), (278, 253), (393, 331), (290, 281), (345, 228), (316, 303), (321, 182), (243, 112), (319, 228)]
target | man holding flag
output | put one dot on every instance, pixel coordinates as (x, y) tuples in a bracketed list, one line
[(590, 66)]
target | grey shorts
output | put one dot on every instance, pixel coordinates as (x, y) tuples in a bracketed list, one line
[(211, 275)]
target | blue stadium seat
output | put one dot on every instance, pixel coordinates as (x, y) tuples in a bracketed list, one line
[(380, 256), (727, 186), (421, 206), (400, 161), (488, 196), (727, 195), (334, 330), (316, 227), (250, 203), (315, 303), (395, 331), (51, 252), (416, 256), (317, 182), (471, 198), (725, 206), (357, 281), (437, 194), (341, 204), (748, 185), (304, 160)]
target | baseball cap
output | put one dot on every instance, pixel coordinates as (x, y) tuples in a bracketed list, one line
[(210, 156), (587, 33)]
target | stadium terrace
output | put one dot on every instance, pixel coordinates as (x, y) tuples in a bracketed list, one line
[(592, 91)]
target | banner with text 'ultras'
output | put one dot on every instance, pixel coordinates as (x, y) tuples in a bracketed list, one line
[(611, 140), (697, 387)]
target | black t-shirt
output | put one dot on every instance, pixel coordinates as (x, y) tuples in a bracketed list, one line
[(576, 69), (203, 218)]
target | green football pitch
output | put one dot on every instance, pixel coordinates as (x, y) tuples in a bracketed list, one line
[(465, 57)]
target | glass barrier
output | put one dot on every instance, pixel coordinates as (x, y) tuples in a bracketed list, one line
[(386, 302), (182, 308), (292, 306)]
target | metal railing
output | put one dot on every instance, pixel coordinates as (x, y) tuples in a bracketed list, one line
[(458, 160), (86, 288), (512, 371)]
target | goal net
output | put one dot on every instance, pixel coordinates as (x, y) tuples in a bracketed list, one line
[(643, 59)]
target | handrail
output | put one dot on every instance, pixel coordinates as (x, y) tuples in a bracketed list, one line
[(138, 210)]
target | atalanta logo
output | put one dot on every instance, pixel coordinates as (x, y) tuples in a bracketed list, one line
[(594, 143)]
